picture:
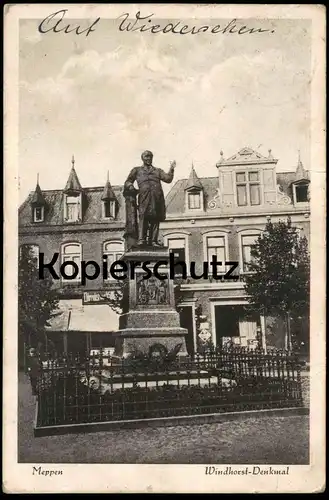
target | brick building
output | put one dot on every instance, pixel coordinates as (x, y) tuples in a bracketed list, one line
[(81, 224), (220, 215)]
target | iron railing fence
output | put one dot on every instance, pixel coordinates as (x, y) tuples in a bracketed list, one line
[(74, 389)]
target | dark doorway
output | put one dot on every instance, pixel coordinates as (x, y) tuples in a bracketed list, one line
[(77, 343), (186, 321), (227, 322)]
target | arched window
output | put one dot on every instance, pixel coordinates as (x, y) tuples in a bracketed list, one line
[(112, 250), (215, 244), (248, 239), (72, 252), (178, 246)]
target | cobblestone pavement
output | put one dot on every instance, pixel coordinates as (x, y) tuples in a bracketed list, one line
[(256, 440)]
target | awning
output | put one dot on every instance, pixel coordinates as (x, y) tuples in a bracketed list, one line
[(84, 318)]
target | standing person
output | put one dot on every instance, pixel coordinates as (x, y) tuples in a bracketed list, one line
[(34, 370), (151, 201)]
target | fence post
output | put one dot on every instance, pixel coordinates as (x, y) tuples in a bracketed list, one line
[(263, 332)]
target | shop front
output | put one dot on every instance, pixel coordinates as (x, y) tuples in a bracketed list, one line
[(79, 327)]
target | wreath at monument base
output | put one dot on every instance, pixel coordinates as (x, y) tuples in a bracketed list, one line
[(157, 358)]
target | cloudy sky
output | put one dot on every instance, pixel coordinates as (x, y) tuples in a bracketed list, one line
[(107, 97)]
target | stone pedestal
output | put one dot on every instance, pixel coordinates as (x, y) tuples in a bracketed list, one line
[(151, 317)]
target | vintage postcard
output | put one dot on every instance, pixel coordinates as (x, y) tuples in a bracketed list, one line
[(164, 263)]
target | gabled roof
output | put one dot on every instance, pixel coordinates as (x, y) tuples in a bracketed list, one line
[(73, 183), (244, 156), (37, 198), (108, 193), (193, 181), (92, 207), (301, 173)]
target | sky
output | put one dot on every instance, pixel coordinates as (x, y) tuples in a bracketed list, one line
[(107, 97)]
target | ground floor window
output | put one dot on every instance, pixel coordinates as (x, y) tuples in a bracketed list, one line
[(234, 324), (78, 342), (102, 340)]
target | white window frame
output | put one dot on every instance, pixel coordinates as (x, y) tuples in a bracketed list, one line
[(35, 213), (114, 253), (194, 191), (294, 186), (78, 219), (180, 236), (246, 232), (249, 183), (112, 209), (215, 234), (63, 255)]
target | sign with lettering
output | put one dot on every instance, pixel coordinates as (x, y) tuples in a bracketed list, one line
[(98, 297)]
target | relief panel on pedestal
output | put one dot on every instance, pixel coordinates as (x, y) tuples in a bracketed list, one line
[(152, 291)]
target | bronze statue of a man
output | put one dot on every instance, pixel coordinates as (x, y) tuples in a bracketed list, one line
[(151, 202)]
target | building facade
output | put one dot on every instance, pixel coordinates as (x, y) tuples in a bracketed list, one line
[(220, 215), (80, 224), (223, 216)]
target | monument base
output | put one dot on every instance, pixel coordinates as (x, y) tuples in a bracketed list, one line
[(129, 342), (150, 317)]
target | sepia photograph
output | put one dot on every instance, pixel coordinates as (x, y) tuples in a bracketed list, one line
[(165, 248)]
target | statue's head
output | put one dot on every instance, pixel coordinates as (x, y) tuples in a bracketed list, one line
[(147, 158)]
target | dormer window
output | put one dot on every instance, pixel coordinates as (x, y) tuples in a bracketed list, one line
[(248, 188), (38, 204), (109, 209), (194, 200), (73, 195), (38, 214), (194, 193), (73, 208), (301, 192), (109, 201)]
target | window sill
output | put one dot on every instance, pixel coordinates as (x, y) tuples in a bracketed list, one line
[(302, 203)]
